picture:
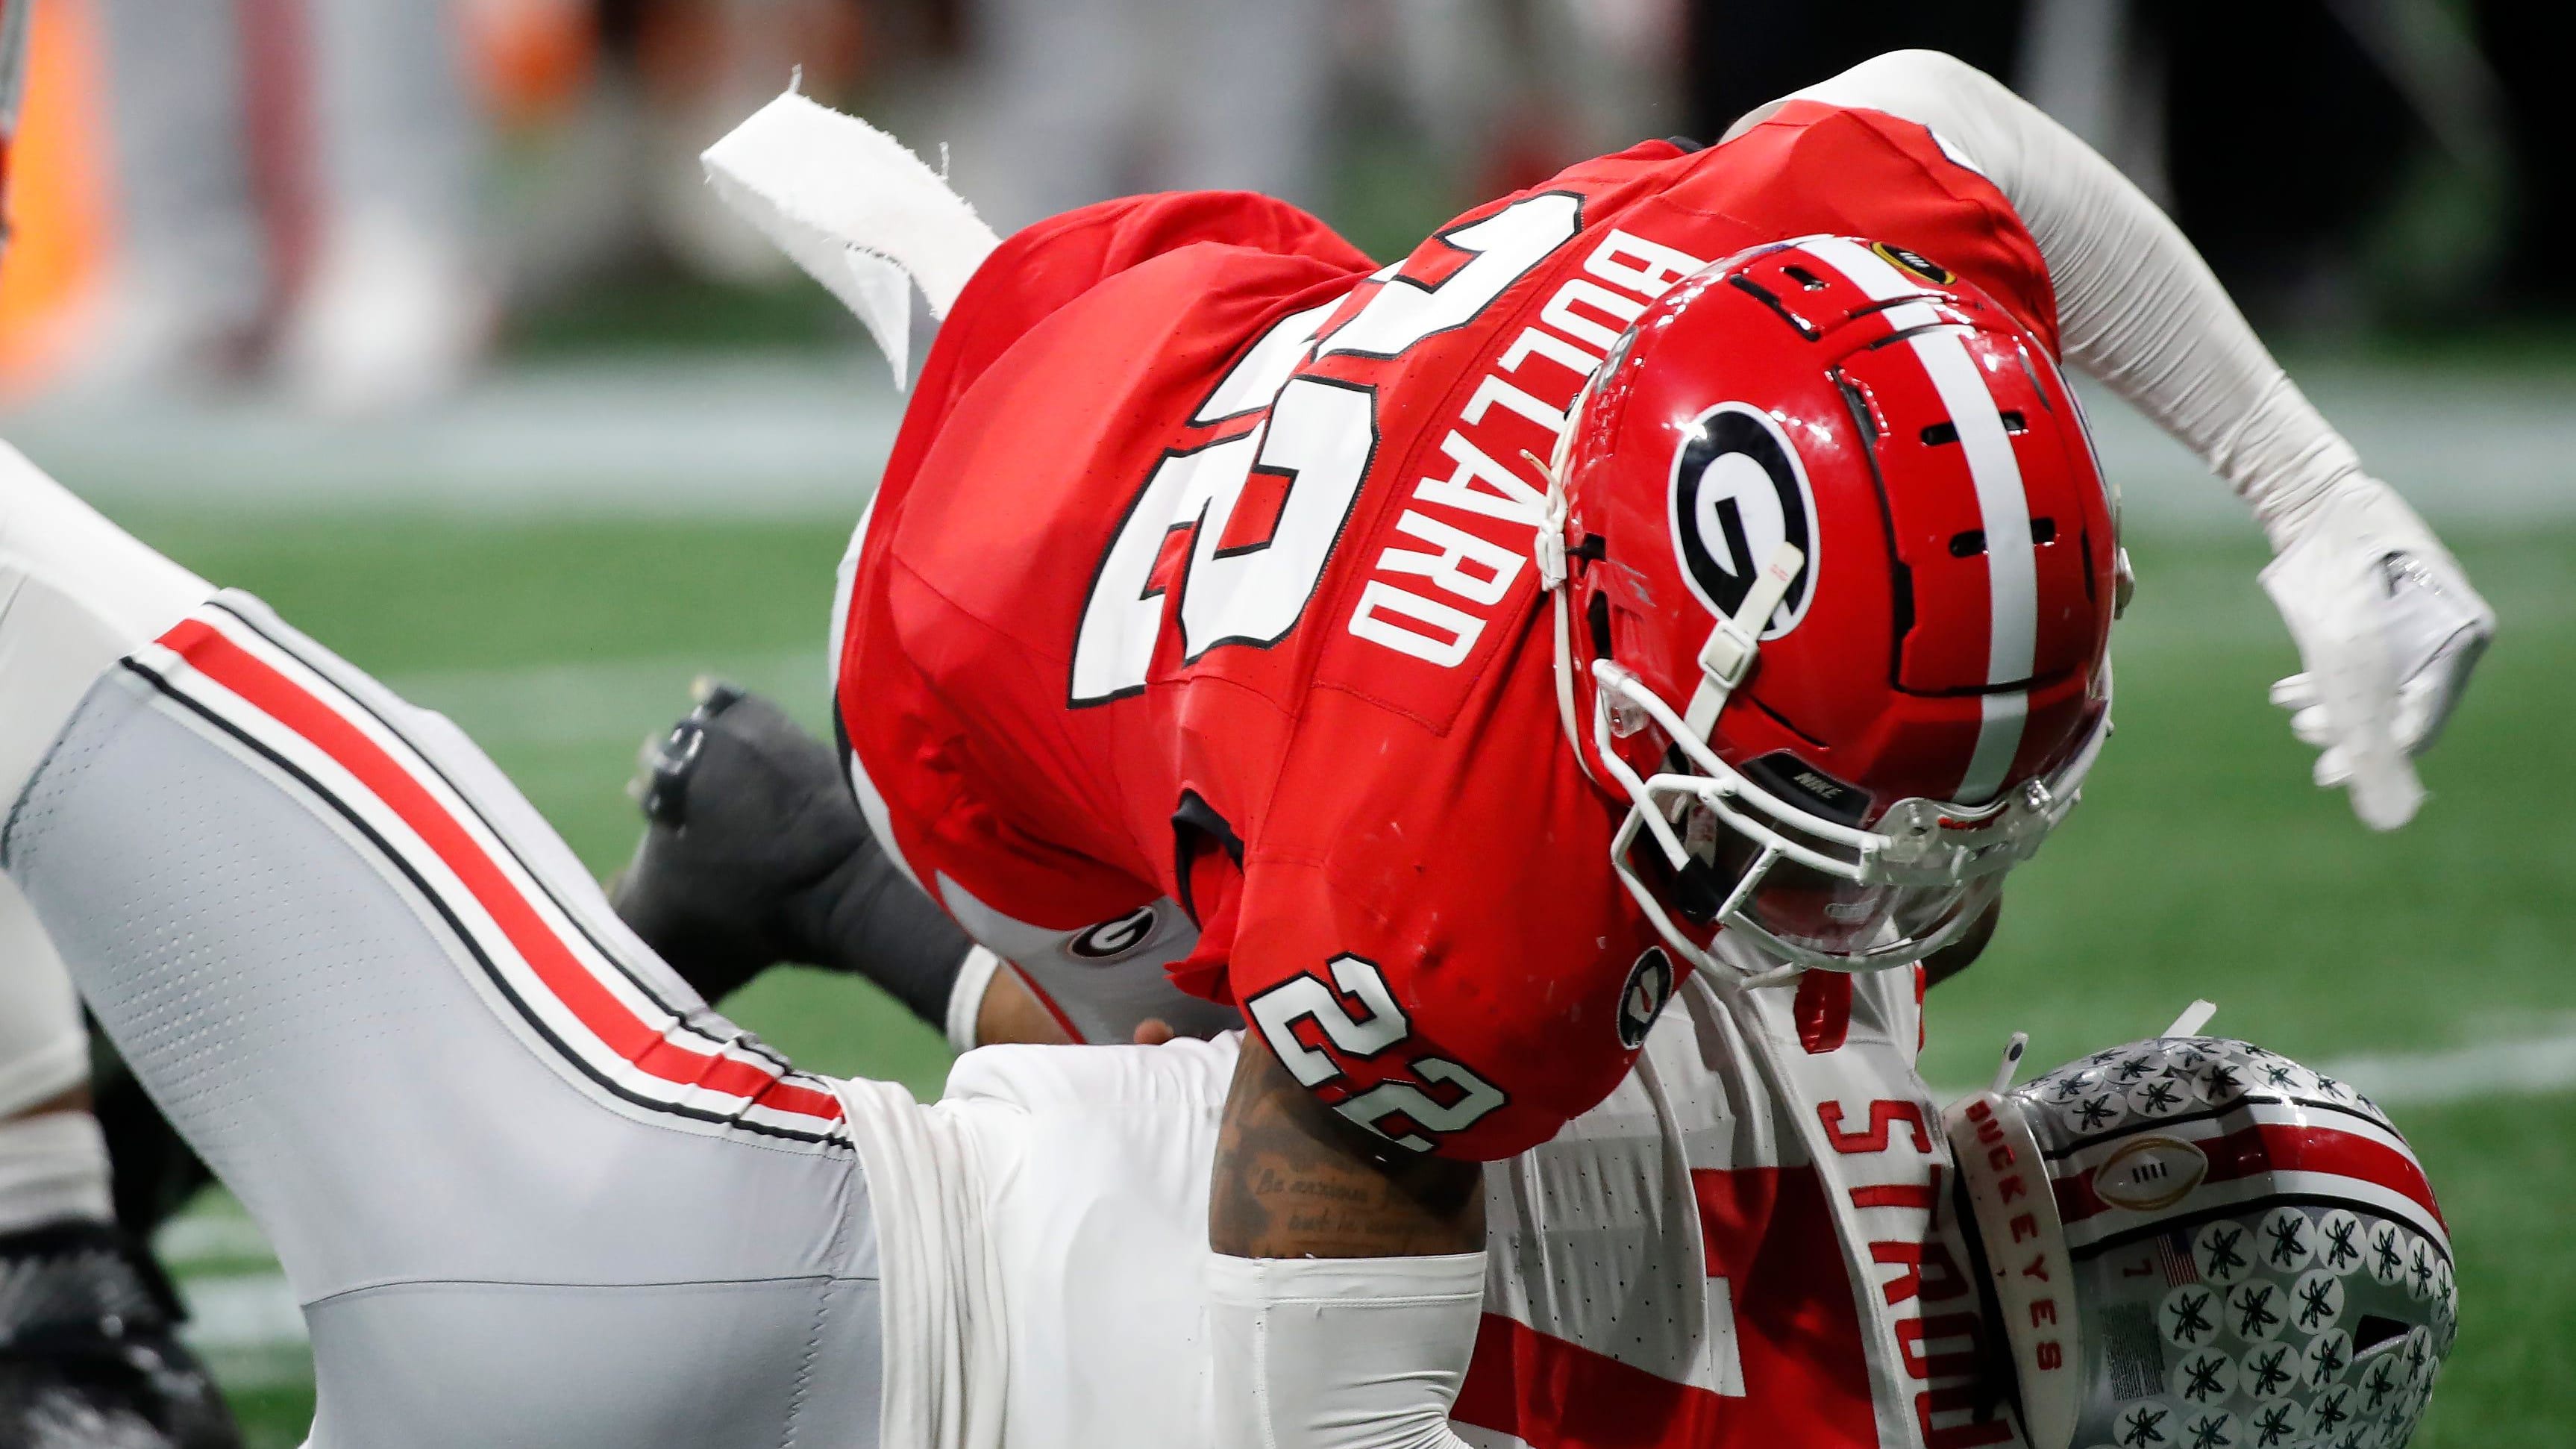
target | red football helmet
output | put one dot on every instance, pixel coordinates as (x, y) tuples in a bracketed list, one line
[(1836, 457)]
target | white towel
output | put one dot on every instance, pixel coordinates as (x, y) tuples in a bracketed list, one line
[(859, 212)]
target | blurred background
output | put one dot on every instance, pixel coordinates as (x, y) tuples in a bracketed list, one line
[(355, 207), (414, 317)]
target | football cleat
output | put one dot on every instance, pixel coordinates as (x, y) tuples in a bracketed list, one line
[(2192, 1240), (88, 1354), (1834, 572), (755, 853), (743, 811)]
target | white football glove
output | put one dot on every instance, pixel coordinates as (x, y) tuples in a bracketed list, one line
[(2388, 630)]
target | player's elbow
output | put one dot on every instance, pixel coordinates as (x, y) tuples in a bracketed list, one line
[(1932, 69), (1932, 87), (1929, 87)]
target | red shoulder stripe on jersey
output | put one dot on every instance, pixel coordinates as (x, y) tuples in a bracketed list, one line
[(1551, 1394), (395, 784)]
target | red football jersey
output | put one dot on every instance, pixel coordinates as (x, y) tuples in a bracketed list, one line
[(1195, 631)]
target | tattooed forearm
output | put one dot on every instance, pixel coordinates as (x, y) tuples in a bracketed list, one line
[(1294, 1180)]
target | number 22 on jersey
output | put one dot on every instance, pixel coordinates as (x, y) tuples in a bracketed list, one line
[(1318, 435)]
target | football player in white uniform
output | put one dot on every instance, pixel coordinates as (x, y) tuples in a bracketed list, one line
[(530, 1189)]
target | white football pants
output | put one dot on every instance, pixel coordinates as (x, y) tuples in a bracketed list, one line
[(528, 1189), (75, 594), (43, 1051)]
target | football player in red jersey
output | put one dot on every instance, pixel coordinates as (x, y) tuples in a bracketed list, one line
[(524, 1180), (1198, 631)]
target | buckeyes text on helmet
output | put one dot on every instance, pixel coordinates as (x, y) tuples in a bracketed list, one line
[(2195, 1236)]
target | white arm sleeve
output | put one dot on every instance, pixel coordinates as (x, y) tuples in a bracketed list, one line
[(1341, 1353), (861, 214), (2387, 624), (966, 997), (2137, 307)]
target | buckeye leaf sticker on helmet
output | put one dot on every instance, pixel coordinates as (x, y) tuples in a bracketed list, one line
[(2254, 1260)]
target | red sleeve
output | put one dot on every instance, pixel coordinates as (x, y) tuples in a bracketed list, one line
[(1462, 877), (1040, 268), (1469, 1043), (1817, 168)]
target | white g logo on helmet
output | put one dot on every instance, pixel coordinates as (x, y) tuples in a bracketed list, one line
[(1739, 491)]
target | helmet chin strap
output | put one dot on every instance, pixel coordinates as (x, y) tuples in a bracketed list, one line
[(1732, 646), (1724, 662), (1548, 549)]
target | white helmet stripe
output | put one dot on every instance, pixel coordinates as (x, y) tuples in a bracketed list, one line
[(2012, 569), (2003, 505), (1999, 722)]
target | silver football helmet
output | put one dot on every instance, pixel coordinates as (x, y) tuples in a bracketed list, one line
[(2194, 1243)]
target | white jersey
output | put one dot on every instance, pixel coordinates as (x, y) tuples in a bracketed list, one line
[(1737, 1246)]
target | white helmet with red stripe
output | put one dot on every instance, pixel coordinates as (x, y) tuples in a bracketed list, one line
[(1835, 571), (2194, 1241)]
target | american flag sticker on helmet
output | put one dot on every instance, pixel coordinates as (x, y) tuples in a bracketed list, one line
[(2173, 1257)]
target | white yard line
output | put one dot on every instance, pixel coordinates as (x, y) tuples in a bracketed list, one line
[(2535, 1067), (209, 1238), (2496, 1069), (806, 433), (794, 434), (241, 1310), (2408, 423)]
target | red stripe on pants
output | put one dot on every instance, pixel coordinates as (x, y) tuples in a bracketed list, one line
[(556, 967)]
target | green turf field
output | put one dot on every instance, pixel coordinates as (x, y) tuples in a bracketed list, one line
[(2203, 863)]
